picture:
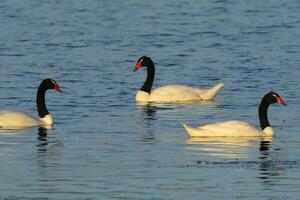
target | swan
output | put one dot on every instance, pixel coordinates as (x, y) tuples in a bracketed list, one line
[(15, 120), (236, 128), (170, 93)]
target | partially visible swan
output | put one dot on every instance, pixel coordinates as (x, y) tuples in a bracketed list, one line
[(239, 128), (14, 119), (170, 93)]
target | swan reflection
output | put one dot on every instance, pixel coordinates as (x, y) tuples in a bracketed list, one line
[(226, 147), (42, 136), (11, 131), (20, 130), (146, 116), (48, 150), (272, 166), (148, 112)]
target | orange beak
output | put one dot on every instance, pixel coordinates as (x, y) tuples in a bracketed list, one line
[(57, 88), (137, 66)]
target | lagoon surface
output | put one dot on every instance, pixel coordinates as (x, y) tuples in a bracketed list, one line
[(105, 146)]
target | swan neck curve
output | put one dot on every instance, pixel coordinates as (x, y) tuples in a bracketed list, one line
[(150, 78), (40, 101), (263, 114)]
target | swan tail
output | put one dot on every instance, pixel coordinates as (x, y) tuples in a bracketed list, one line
[(211, 93), (195, 132), (187, 128)]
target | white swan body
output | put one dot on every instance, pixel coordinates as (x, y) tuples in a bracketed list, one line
[(178, 93), (170, 93), (228, 129), (238, 128), (13, 119)]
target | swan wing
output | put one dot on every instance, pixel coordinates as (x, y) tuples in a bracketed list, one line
[(13, 119), (177, 93), (224, 129), (174, 93)]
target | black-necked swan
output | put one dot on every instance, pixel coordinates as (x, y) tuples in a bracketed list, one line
[(239, 128), (170, 93), (13, 119)]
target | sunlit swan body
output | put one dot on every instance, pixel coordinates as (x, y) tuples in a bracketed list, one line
[(170, 93), (13, 119), (228, 129), (239, 128)]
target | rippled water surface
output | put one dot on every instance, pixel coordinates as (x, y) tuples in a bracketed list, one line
[(103, 145)]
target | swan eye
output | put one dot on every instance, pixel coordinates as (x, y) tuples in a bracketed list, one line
[(275, 95)]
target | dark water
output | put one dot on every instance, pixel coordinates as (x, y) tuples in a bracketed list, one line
[(103, 145)]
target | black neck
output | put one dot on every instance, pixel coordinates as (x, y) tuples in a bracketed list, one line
[(263, 114), (150, 78), (40, 101)]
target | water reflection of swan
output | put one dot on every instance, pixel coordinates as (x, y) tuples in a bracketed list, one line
[(42, 136), (11, 131), (225, 147), (149, 109), (146, 117), (48, 150), (41, 130), (148, 112), (270, 166)]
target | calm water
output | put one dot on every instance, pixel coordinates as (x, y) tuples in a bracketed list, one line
[(103, 145)]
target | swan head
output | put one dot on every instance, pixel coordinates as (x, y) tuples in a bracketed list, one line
[(143, 61), (50, 84), (267, 100), (45, 85), (273, 97)]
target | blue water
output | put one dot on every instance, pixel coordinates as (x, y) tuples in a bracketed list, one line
[(103, 145)]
